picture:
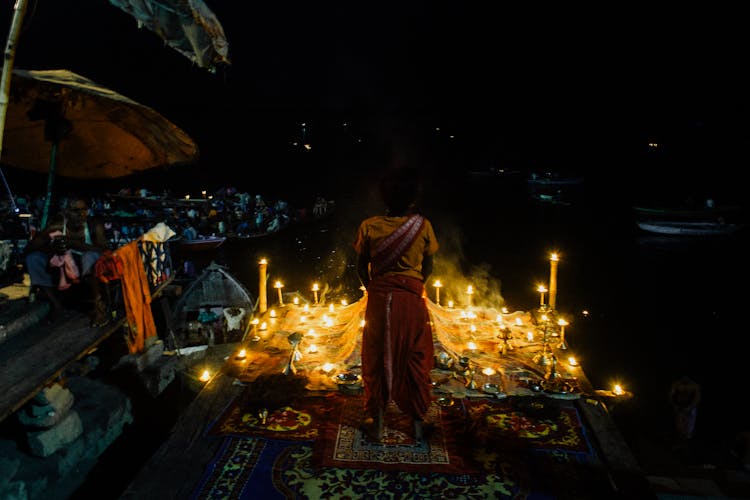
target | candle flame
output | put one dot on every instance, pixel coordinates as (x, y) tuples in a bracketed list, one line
[(541, 289), (471, 345), (272, 313), (572, 361), (205, 376), (489, 371), (278, 285), (295, 300), (263, 262), (618, 390), (554, 257), (313, 348), (562, 322), (470, 290), (328, 367), (530, 336), (315, 287), (437, 284)]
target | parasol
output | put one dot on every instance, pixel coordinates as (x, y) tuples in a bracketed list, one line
[(188, 26), (61, 123)]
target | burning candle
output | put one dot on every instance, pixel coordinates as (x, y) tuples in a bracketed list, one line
[(469, 292), (262, 297), (450, 304), (241, 355), (312, 349), (255, 322), (489, 371), (542, 290), (205, 376), (553, 260), (278, 285), (263, 326), (572, 361), (618, 390), (315, 289), (296, 301), (328, 367), (437, 286)]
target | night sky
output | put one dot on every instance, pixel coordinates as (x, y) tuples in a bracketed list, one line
[(542, 83)]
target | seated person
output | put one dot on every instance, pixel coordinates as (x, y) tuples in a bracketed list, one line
[(85, 237)]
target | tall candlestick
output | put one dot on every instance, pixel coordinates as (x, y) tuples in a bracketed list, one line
[(262, 297), (315, 293), (553, 260), (562, 324), (279, 286), (469, 292), (437, 286)]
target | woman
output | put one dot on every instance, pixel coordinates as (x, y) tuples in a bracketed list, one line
[(395, 257)]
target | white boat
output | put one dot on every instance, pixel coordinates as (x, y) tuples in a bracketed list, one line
[(688, 228)]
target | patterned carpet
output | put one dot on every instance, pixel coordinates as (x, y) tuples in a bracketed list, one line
[(479, 449)]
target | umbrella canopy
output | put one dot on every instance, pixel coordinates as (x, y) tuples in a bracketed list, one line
[(59, 120), (188, 26)]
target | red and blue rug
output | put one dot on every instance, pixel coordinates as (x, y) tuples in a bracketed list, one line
[(478, 449)]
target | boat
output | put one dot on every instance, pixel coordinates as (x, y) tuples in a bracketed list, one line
[(553, 179), (552, 199), (689, 228), (208, 300), (200, 244), (709, 212)]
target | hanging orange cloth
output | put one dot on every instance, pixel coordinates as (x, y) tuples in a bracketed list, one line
[(137, 297)]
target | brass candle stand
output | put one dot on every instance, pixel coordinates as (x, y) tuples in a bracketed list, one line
[(469, 373), (544, 358), (505, 336), (294, 339)]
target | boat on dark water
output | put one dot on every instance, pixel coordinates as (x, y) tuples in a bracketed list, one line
[(200, 244), (554, 179), (706, 213), (689, 228)]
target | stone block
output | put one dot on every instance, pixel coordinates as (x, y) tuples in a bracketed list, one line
[(45, 443), (160, 374), (47, 408), (150, 356)]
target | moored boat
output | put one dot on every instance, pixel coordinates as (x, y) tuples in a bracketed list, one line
[(707, 213), (200, 244), (553, 179), (689, 228)]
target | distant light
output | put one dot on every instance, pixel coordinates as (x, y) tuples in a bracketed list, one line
[(308, 147)]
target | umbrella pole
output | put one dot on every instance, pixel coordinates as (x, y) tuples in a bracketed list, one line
[(50, 182), (9, 58)]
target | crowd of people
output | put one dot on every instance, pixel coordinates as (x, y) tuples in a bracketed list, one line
[(128, 214)]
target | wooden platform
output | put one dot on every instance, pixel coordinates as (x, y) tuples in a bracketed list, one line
[(175, 469), (36, 357)]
